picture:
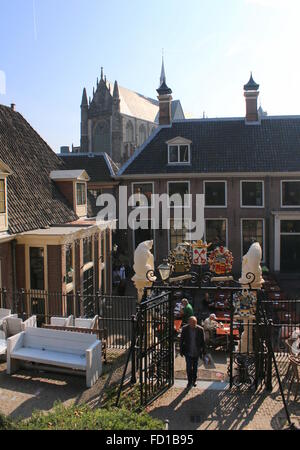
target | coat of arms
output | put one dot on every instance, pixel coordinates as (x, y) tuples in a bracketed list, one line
[(220, 261)]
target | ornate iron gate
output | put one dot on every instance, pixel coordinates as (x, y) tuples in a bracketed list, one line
[(155, 346)]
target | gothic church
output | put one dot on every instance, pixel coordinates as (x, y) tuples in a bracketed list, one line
[(117, 120)]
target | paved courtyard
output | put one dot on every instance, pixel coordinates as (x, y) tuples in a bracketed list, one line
[(215, 407)]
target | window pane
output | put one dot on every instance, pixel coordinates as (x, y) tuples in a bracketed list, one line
[(173, 153), (87, 250), (37, 268), (215, 193), (145, 189), (81, 197), (2, 196), (179, 188), (216, 231), (291, 193), (177, 233), (252, 193), (69, 264), (184, 153), (290, 226), (252, 230)]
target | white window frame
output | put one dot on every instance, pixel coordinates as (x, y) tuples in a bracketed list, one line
[(241, 193), (4, 215), (204, 190), (178, 182), (76, 185), (217, 218), (178, 145), (132, 193), (281, 196), (169, 230), (264, 236)]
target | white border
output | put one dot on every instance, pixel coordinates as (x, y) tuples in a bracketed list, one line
[(179, 163), (263, 193), (264, 236), (287, 206), (177, 182), (132, 193), (204, 191), (217, 218), (169, 231)]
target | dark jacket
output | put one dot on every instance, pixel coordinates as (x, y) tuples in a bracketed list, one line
[(185, 340)]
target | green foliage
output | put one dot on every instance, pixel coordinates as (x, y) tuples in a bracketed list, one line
[(82, 417), (6, 423)]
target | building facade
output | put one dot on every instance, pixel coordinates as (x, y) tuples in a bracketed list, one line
[(47, 242), (248, 169)]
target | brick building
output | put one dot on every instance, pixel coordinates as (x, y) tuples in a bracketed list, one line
[(47, 242), (248, 168)]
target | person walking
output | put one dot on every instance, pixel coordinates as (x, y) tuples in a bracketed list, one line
[(192, 347)]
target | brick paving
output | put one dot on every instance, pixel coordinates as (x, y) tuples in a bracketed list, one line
[(216, 407)]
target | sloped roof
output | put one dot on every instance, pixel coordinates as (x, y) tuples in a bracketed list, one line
[(99, 166), (137, 105), (34, 201), (58, 175), (223, 145)]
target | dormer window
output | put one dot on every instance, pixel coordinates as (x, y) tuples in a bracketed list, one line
[(179, 151)]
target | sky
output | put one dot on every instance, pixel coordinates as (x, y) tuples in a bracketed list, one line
[(51, 49)]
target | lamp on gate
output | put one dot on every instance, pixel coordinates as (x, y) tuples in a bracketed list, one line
[(165, 270)]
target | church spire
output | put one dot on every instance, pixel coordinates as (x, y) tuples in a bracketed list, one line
[(84, 101), (101, 73), (116, 93), (163, 73)]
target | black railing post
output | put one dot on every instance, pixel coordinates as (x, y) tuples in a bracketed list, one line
[(269, 330), (79, 303), (231, 342), (4, 298), (133, 354)]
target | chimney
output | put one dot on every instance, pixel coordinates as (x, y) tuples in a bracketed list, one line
[(64, 150), (13, 106), (165, 101), (251, 94)]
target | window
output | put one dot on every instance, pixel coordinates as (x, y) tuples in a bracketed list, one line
[(179, 154), (215, 194), (177, 233), (252, 193), (87, 251), (2, 197), (81, 194), (179, 187), (69, 264), (216, 231), (290, 193), (142, 134), (140, 189), (252, 231), (37, 268), (129, 132)]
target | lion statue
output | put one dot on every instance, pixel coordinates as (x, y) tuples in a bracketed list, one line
[(251, 265)]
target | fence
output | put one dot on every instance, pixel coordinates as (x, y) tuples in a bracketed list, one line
[(114, 312)]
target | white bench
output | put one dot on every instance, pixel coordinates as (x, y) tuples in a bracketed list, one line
[(87, 323), (70, 350), (4, 313), (62, 321), (3, 343)]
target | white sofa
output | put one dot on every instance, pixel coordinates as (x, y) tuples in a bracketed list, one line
[(62, 321), (86, 323), (64, 349), (4, 313), (14, 325)]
